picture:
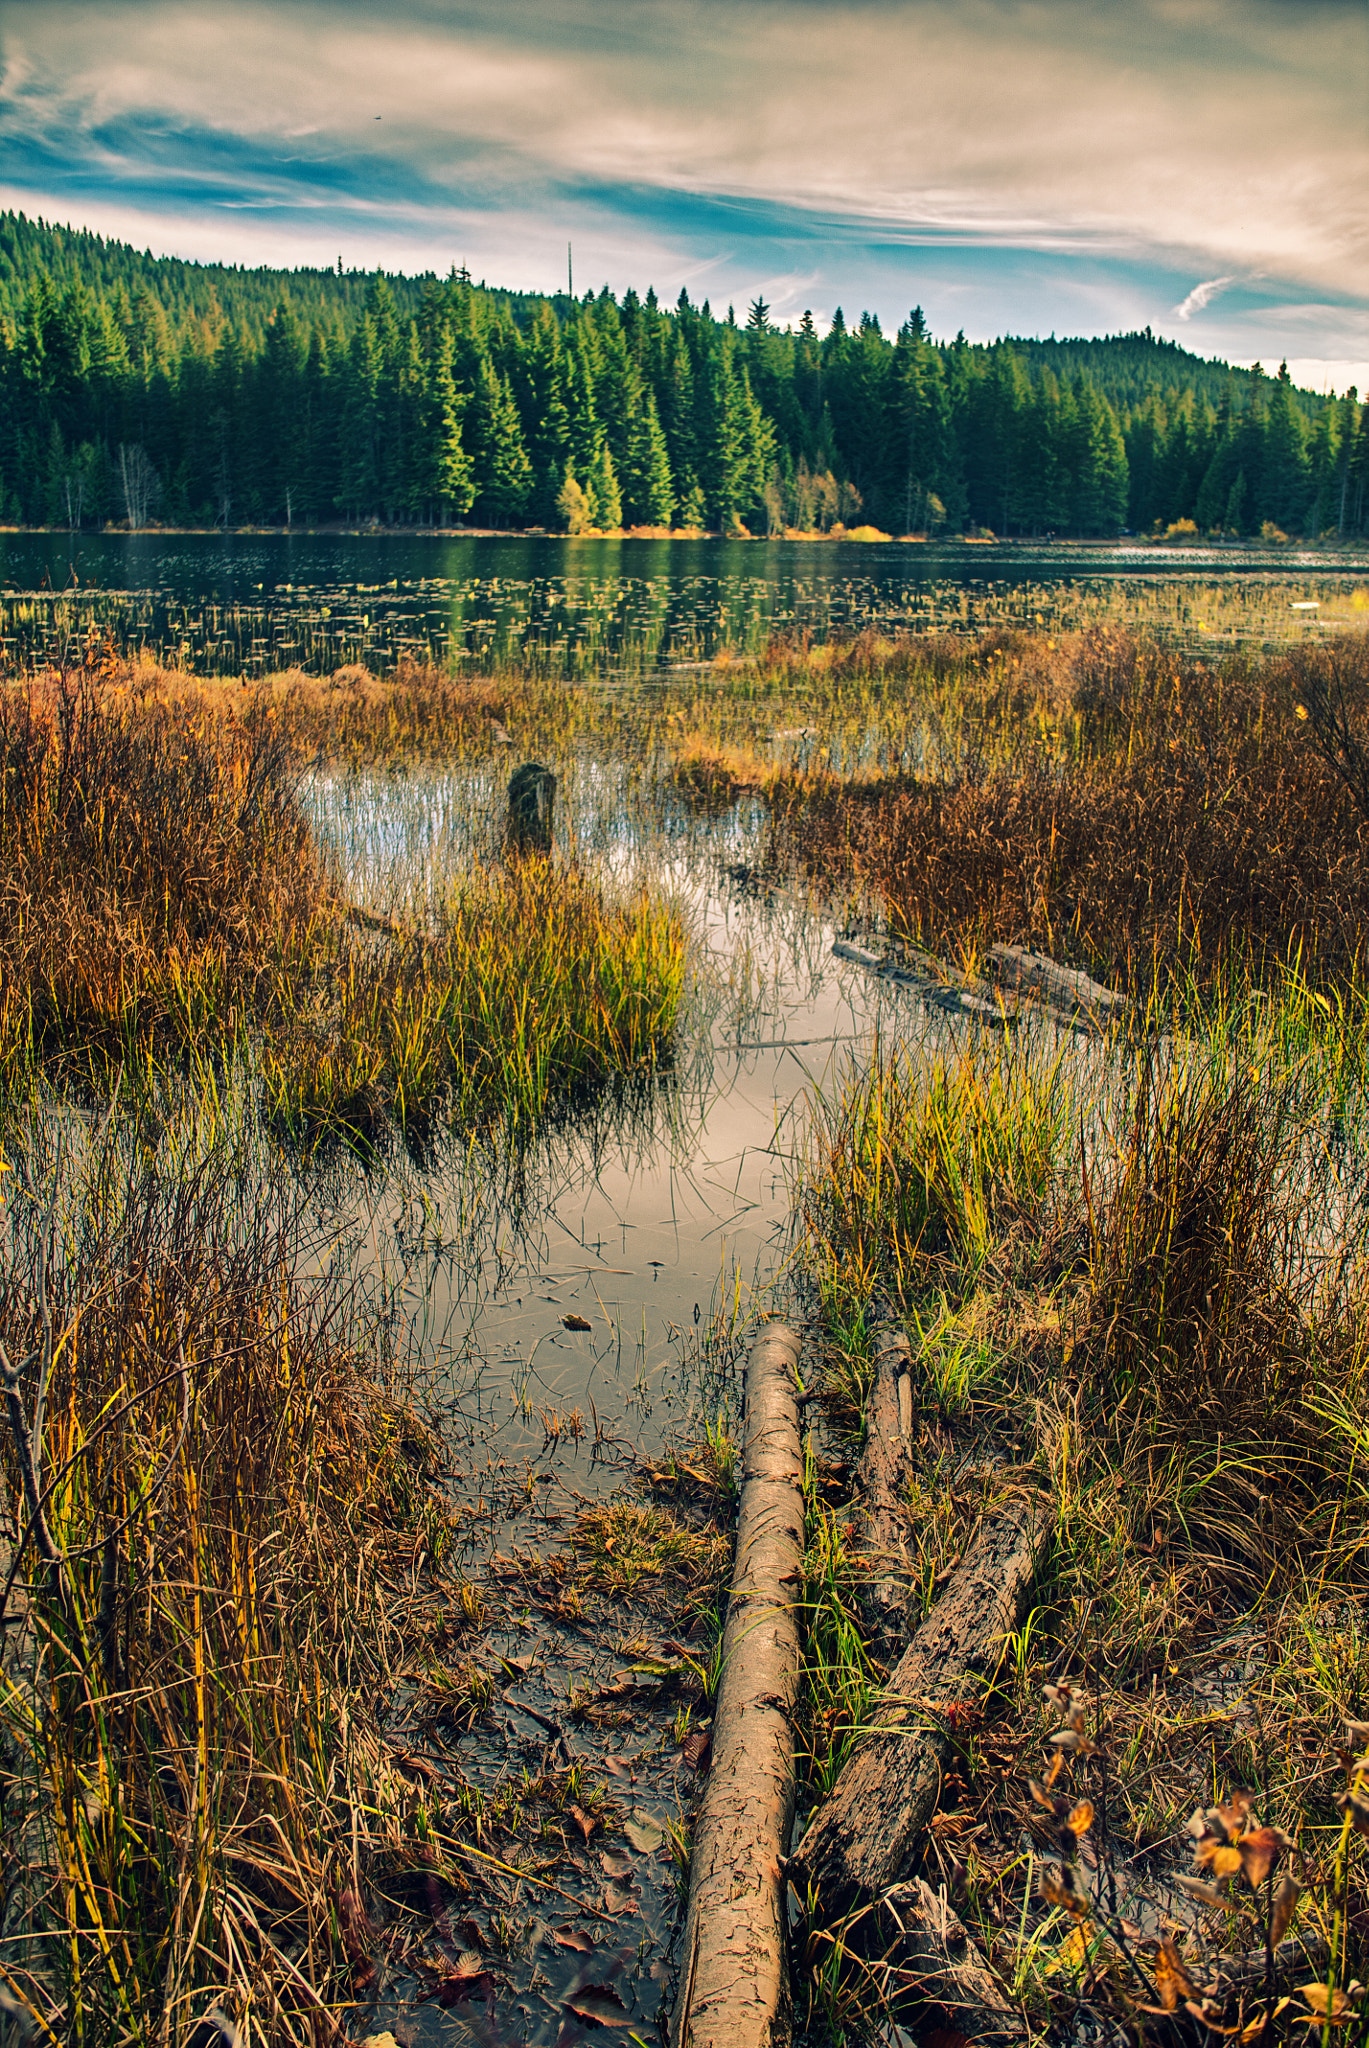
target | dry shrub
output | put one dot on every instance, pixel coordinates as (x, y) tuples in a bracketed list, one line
[(1198, 1315), (1199, 815)]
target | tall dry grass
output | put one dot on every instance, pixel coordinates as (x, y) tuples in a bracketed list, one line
[(219, 1511), (1134, 810)]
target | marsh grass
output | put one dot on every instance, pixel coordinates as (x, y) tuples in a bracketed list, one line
[(925, 1163), (1140, 812), (164, 903), (203, 1620), (1171, 1338)]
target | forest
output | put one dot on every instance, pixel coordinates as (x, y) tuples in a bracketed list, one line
[(139, 390)]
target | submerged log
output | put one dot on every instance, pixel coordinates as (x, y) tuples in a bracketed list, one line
[(861, 1841), (734, 1988)]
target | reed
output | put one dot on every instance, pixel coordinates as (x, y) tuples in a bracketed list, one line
[(1152, 818), (220, 1510)]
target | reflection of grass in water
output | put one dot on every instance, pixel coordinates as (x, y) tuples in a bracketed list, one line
[(583, 627)]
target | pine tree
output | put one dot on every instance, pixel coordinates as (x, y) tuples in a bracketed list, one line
[(648, 488), (452, 481), (604, 493), (503, 472)]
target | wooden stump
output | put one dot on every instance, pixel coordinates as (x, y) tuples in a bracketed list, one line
[(532, 800)]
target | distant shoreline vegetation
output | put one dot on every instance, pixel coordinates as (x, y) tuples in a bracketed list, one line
[(136, 389)]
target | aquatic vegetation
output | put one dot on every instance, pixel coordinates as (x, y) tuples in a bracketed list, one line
[(1140, 812), (163, 902)]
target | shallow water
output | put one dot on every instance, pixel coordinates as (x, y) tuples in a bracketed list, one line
[(237, 602)]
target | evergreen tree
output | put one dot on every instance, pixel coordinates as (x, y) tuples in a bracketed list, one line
[(452, 482), (648, 488), (604, 494), (502, 471)]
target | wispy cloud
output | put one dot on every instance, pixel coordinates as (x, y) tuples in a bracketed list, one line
[(1200, 296), (1067, 152)]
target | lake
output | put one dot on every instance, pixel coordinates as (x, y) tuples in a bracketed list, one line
[(252, 602)]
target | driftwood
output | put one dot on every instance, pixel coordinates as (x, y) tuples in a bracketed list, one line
[(862, 1839), (1067, 989), (734, 1988)]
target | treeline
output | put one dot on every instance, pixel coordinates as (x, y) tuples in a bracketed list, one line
[(257, 397)]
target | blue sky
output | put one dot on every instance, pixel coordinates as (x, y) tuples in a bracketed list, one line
[(1014, 166)]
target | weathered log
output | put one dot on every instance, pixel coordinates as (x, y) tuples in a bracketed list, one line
[(934, 1960), (862, 1839), (734, 1988), (532, 798), (1067, 989), (885, 1469)]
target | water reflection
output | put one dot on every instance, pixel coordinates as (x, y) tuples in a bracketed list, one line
[(243, 602)]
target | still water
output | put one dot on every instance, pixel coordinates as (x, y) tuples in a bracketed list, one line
[(256, 601)]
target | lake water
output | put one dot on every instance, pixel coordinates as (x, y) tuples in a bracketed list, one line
[(255, 601)]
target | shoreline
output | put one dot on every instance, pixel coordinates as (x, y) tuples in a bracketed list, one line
[(334, 530)]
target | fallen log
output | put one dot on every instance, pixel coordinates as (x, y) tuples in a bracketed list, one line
[(734, 1985), (885, 1469), (862, 1839)]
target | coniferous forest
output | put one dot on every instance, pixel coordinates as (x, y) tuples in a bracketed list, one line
[(136, 390)]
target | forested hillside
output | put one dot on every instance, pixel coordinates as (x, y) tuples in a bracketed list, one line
[(139, 388)]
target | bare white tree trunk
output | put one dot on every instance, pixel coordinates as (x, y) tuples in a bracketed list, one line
[(139, 483)]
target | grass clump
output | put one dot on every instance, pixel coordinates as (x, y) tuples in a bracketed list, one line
[(164, 904), (1174, 1345), (921, 1165), (219, 1507), (1194, 1254)]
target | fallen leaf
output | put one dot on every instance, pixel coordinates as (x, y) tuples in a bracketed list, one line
[(574, 1322), (573, 1937), (586, 1822), (600, 2003), (1223, 1859), (644, 1833), (1327, 2005), (457, 1986), (1172, 1980), (1259, 1853), (1285, 1904), (616, 1866), (616, 1901), (1204, 1893), (697, 1749)]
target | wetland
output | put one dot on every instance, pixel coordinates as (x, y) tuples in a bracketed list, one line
[(387, 1215)]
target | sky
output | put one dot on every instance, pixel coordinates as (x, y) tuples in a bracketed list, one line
[(1013, 166)]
